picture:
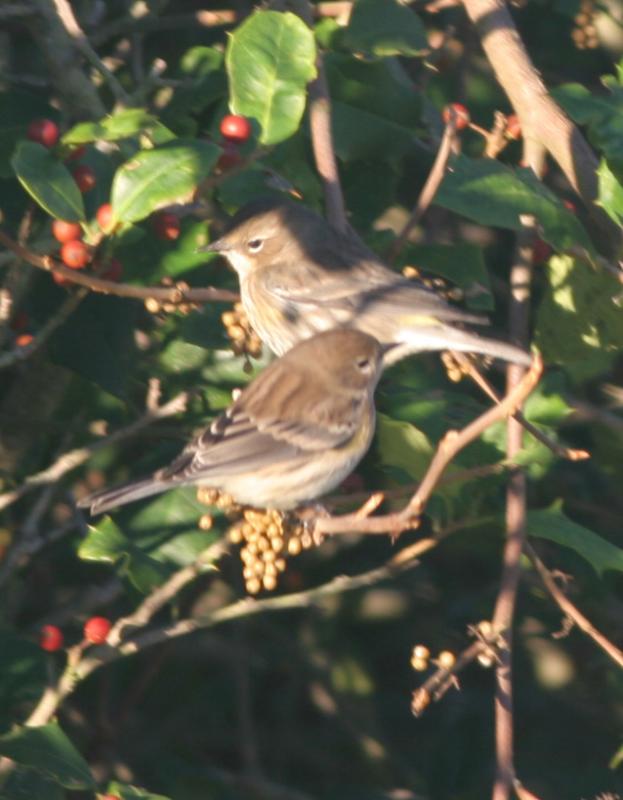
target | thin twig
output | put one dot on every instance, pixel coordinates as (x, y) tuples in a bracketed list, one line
[(161, 596), (82, 665), (75, 458), (166, 294), (569, 453), (67, 17), (62, 314), (429, 190), (452, 443), (321, 135), (516, 510), (571, 611)]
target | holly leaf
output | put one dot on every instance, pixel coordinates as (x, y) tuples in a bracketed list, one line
[(48, 181), (47, 750), (270, 60)]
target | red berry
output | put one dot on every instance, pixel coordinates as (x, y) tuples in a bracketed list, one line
[(64, 231), (96, 630), (235, 128), (43, 131), (50, 638), (513, 127), (75, 254), (110, 797), (541, 251), (570, 206), (166, 225), (24, 339), (229, 158), (461, 114), (114, 271), (104, 217), (84, 177)]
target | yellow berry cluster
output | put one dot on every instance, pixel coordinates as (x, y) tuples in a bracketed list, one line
[(154, 306), (267, 537), (584, 34), (420, 659), (244, 340)]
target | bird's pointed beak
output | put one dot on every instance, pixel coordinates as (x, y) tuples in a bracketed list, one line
[(219, 246)]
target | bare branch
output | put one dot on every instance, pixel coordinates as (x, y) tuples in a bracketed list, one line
[(166, 294), (571, 610)]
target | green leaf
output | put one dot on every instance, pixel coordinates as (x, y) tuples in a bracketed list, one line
[(26, 784), (372, 104), (610, 193), (160, 177), (17, 109), (492, 194), (98, 343), (552, 524), (579, 319), (48, 181), (22, 671), (385, 28), (106, 543), (123, 124), (270, 60), (402, 445), (48, 750)]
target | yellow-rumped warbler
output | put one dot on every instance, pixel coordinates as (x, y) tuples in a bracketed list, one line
[(293, 434), (299, 276)]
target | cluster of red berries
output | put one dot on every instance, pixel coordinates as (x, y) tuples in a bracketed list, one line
[(96, 630), (235, 130)]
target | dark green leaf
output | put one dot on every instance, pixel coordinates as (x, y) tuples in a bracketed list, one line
[(17, 109), (159, 177), (492, 194), (48, 181), (552, 524), (385, 28), (106, 543), (270, 60), (373, 104), (48, 750), (26, 784), (22, 671)]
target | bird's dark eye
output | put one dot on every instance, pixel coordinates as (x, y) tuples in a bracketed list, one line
[(363, 363), (255, 245)]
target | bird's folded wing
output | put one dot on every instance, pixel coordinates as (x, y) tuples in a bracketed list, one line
[(238, 444), (359, 291)]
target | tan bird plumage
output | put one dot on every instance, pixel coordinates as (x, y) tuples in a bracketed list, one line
[(299, 276), (292, 435)]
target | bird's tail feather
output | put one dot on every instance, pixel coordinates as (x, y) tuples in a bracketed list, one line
[(446, 338), (106, 499)]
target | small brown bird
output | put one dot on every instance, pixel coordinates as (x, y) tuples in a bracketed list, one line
[(293, 434), (298, 276)]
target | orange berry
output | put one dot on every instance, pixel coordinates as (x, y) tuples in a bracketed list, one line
[(64, 231), (24, 339), (75, 254), (84, 177), (166, 225), (513, 127), (104, 217)]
